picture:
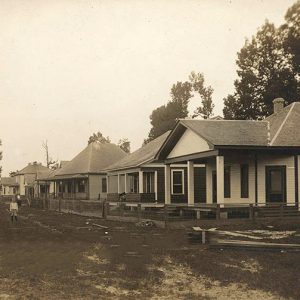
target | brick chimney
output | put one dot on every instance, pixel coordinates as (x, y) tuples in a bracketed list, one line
[(278, 105)]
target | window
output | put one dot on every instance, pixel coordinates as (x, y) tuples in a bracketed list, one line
[(133, 183), (69, 187), (104, 185), (177, 182), (244, 181), (81, 186), (227, 182), (60, 187), (149, 182)]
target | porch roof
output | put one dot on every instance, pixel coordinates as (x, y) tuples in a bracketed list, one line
[(145, 154), (8, 181)]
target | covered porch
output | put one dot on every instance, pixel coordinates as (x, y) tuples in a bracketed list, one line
[(235, 177), (133, 185)]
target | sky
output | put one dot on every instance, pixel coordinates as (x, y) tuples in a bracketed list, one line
[(70, 68)]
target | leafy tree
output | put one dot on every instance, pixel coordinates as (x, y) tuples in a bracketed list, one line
[(98, 136), (265, 72), (13, 173), (291, 35), (164, 117), (205, 110), (124, 144)]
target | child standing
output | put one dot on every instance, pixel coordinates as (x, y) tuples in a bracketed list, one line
[(13, 208)]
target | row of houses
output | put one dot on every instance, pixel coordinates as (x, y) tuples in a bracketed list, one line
[(198, 162)]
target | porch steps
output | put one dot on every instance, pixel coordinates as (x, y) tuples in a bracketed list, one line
[(276, 211)]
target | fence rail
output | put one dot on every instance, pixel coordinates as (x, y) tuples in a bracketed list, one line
[(168, 212)]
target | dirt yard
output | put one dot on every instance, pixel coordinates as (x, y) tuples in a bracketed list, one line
[(49, 255)]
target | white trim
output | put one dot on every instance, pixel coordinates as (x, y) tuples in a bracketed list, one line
[(153, 166), (282, 124), (191, 182), (141, 183), (125, 183), (107, 180), (167, 185), (118, 183), (186, 165), (177, 170)]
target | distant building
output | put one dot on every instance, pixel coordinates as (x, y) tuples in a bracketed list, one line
[(8, 186), (26, 179)]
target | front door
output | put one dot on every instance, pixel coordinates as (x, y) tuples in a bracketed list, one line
[(275, 184)]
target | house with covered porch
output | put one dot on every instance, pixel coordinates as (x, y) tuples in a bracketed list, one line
[(140, 177), (84, 178), (245, 162)]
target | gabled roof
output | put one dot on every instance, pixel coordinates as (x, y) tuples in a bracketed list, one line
[(93, 159), (145, 154), (285, 126), (9, 181), (32, 168), (228, 132)]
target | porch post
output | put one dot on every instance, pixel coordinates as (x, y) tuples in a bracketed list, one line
[(118, 183), (155, 184), (125, 183), (141, 185), (107, 185), (190, 171), (167, 184), (220, 179)]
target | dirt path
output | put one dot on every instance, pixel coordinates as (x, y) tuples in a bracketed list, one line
[(49, 255)]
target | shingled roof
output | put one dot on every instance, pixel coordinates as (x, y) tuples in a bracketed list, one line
[(285, 126), (93, 159), (229, 132), (33, 168), (143, 155), (9, 181)]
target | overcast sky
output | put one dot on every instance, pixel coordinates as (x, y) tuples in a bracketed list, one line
[(70, 68)]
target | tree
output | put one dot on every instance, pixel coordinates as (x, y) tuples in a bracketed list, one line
[(98, 137), (13, 173), (50, 163), (265, 72), (291, 35), (164, 117), (205, 110), (124, 144)]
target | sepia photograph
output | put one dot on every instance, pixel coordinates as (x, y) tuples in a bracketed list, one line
[(149, 149)]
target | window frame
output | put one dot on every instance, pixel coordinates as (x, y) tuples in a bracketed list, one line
[(149, 178), (182, 181)]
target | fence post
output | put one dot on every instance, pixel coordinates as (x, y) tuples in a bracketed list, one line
[(251, 212), (139, 211), (281, 210), (218, 212), (166, 216), (59, 205)]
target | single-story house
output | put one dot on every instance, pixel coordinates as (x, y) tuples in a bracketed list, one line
[(246, 162), (83, 177), (8, 186), (142, 177)]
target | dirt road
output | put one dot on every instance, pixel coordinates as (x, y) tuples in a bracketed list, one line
[(49, 255)]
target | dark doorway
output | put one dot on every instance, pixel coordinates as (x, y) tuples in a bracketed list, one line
[(275, 184)]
